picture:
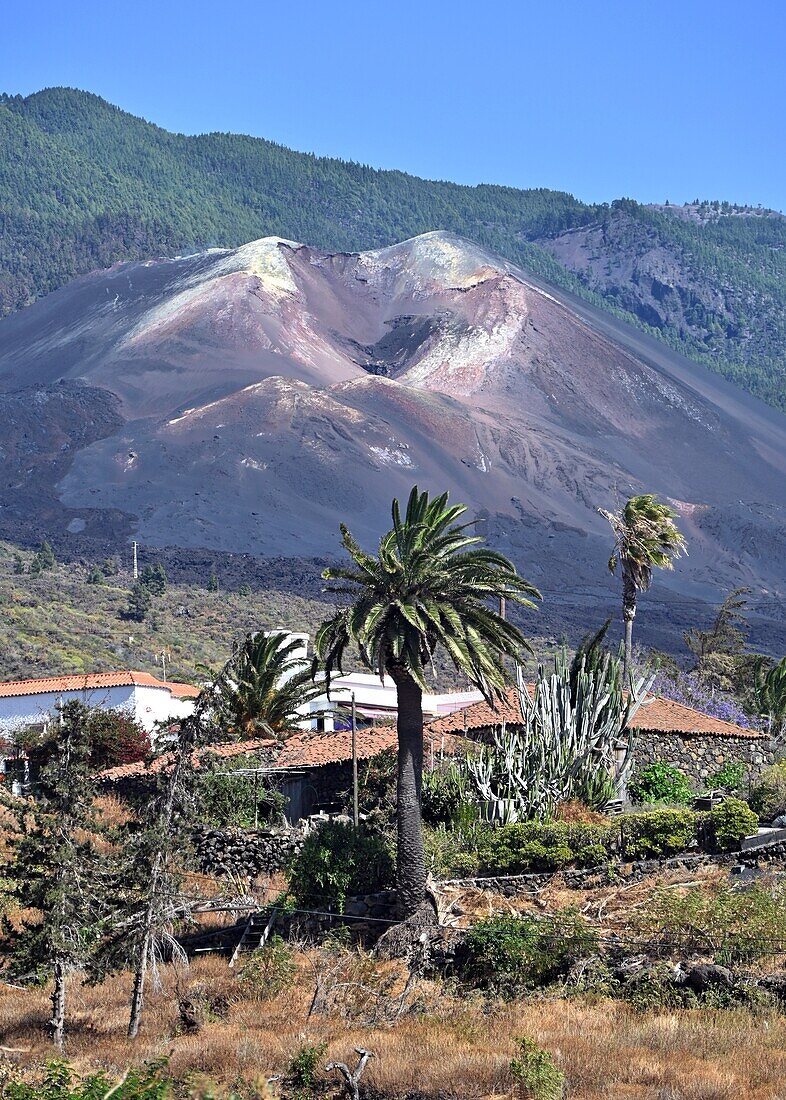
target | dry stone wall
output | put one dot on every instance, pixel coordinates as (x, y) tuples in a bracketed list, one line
[(700, 756)]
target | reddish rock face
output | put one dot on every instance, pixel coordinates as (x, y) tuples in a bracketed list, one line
[(269, 391)]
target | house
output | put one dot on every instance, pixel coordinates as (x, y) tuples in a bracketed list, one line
[(25, 703), (665, 730), (313, 769)]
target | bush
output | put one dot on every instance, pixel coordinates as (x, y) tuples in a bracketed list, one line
[(269, 970), (57, 1081), (304, 1069), (337, 861), (730, 822), (730, 777), (506, 955), (228, 798), (535, 1073), (514, 849), (768, 797), (657, 833), (734, 925), (661, 782)]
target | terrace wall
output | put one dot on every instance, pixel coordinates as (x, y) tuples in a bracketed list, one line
[(699, 755)]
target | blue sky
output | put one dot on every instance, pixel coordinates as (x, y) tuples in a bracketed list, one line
[(651, 100)]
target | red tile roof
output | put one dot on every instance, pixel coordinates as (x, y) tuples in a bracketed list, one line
[(479, 716), (94, 681), (159, 763), (310, 749), (659, 715)]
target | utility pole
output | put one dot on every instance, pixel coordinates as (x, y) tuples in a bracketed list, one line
[(163, 665), (136, 564), (355, 807)]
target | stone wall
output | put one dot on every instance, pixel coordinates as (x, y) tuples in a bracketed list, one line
[(699, 756), (365, 917), (246, 853)]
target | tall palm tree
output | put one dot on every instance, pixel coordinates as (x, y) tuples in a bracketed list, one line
[(645, 538), (263, 686), (431, 584)]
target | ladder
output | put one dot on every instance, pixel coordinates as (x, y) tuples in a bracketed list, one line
[(255, 934)]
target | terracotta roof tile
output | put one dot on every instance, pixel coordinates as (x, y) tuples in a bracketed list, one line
[(657, 716), (479, 716), (662, 715), (94, 681), (159, 763), (310, 749)]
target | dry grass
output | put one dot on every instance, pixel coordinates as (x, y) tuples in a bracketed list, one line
[(448, 1046)]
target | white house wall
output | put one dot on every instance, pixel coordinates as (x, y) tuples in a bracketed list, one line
[(148, 705)]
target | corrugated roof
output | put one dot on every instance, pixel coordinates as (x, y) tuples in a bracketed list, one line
[(659, 715), (94, 681)]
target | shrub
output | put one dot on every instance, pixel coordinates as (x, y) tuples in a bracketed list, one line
[(303, 1071), (514, 849), (228, 798), (661, 782), (768, 797), (730, 822), (269, 970), (535, 1073), (506, 954), (734, 925), (58, 1081), (730, 777), (338, 860), (657, 833)]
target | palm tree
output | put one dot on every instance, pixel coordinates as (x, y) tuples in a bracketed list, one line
[(431, 584), (263, 686), (645, 537)]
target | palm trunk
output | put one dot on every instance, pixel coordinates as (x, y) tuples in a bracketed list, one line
[(628, 614), (410, 858), (57, 1023)]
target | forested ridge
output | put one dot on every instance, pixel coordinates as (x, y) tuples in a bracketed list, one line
[(84, 185)]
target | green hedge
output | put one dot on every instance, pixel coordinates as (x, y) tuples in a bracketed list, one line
[(532, 847), (514, 849)]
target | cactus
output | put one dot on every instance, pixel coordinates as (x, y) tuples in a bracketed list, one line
[(576, 740)]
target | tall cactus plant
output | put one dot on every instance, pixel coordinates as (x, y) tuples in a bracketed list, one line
[(576, 740)]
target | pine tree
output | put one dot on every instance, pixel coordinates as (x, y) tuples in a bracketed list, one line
[(55, 867), (212, 582), (139, 603), (152, 868), (154, 579)]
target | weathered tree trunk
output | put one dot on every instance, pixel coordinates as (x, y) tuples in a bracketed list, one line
[(410, 858), (57, 1023), (628, 614), (138, 993)]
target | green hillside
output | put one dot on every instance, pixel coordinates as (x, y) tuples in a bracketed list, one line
[(83, 185)]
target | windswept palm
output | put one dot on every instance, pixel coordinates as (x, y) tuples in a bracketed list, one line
[(431, 584), (262, 686), (645, 538)]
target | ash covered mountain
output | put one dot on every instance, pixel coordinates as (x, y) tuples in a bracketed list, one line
[(247, 400)]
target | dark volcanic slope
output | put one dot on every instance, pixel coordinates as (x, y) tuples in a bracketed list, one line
[(269, 391)]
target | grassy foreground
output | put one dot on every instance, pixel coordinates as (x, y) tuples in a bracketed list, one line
[(443, 1046)]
